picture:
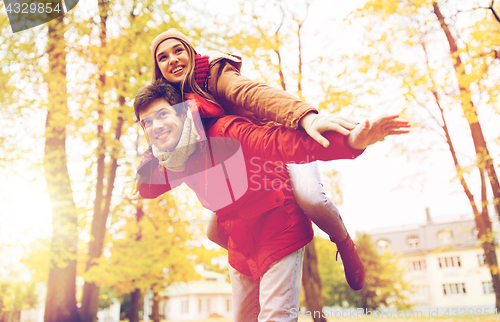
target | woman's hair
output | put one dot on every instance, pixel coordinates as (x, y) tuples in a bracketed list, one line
[(189, 83), (159, 89)]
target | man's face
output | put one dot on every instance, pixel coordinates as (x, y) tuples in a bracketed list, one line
[(162, 124), (173, 60)]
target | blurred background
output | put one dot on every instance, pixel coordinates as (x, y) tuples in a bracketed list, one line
[(72, 241)]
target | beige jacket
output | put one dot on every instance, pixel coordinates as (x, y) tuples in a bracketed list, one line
[(257, 101)]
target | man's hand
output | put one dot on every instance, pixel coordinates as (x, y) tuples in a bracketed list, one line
[(315, 124), (136, 196), (377, 129), (135, 193)]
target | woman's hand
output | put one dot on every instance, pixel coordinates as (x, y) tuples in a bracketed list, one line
[(314, 124)]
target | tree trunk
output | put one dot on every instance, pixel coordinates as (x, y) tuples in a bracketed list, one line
[(483, 156), (483, 222), (90, 297), (135, 297), (156, 307), (312, 283), (60, 304)]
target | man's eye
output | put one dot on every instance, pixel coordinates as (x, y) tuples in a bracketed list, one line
[(147, 123), (163, 114)]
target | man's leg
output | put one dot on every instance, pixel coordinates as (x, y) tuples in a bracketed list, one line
[(280, 289), (245, 297), (311, 197)]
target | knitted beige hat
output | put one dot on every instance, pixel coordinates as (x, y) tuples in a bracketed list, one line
[(171, 33)]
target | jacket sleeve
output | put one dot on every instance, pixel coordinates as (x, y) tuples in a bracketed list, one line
[(152, 180), (280, 144), (241, 96)]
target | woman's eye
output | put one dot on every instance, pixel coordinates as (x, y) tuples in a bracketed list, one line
[(179, 50), (147, 123)]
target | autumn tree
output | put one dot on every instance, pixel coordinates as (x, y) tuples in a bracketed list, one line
[(442, 57), (149, 250), (61, 289), (118, 71)]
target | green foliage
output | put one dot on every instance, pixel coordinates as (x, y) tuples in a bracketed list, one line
[(38, 260), (385, 285), (150, 253), (17, 296), (106, 296)]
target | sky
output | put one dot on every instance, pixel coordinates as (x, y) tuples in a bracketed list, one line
[(379, 188)]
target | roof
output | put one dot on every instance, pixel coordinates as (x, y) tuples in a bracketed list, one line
[(414, 239)]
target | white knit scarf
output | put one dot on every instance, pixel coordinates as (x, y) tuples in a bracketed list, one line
[(176, 159)]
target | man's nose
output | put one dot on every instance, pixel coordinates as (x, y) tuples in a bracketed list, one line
[(157, 125)]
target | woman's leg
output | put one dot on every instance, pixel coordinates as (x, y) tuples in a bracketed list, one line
[(311, 197)]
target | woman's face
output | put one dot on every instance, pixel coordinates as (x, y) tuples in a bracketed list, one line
[(173, 60)]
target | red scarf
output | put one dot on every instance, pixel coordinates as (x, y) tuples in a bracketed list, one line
[(201, 70)]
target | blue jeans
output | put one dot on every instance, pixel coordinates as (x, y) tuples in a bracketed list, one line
[(311, 197), (275, 297)]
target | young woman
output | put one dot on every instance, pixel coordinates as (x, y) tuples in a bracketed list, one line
[(216, 77)]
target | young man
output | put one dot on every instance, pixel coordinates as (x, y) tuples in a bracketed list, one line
[(238, 170)]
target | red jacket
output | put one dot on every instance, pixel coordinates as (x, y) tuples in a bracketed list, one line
[(240, 173)]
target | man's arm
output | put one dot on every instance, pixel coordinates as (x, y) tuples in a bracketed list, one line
[(295, 146), (152, 180), (377, 129)]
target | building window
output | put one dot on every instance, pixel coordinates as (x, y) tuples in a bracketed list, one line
[(383, 245), (445, 236), (228, 305), (203, 305), (480, 260), (488, 287), (422, 294), (417, 266), (412, 242), (452, 261), (454, 288), (185, 306)]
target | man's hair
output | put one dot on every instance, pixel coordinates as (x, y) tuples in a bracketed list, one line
[(159, 89)]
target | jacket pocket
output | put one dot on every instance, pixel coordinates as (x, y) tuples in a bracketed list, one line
[(266, 217)]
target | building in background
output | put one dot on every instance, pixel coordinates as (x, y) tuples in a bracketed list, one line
[(446, 263), (211, 296)]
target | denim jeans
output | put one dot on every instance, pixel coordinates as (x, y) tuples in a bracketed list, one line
[(273, 297), (311, 197)]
